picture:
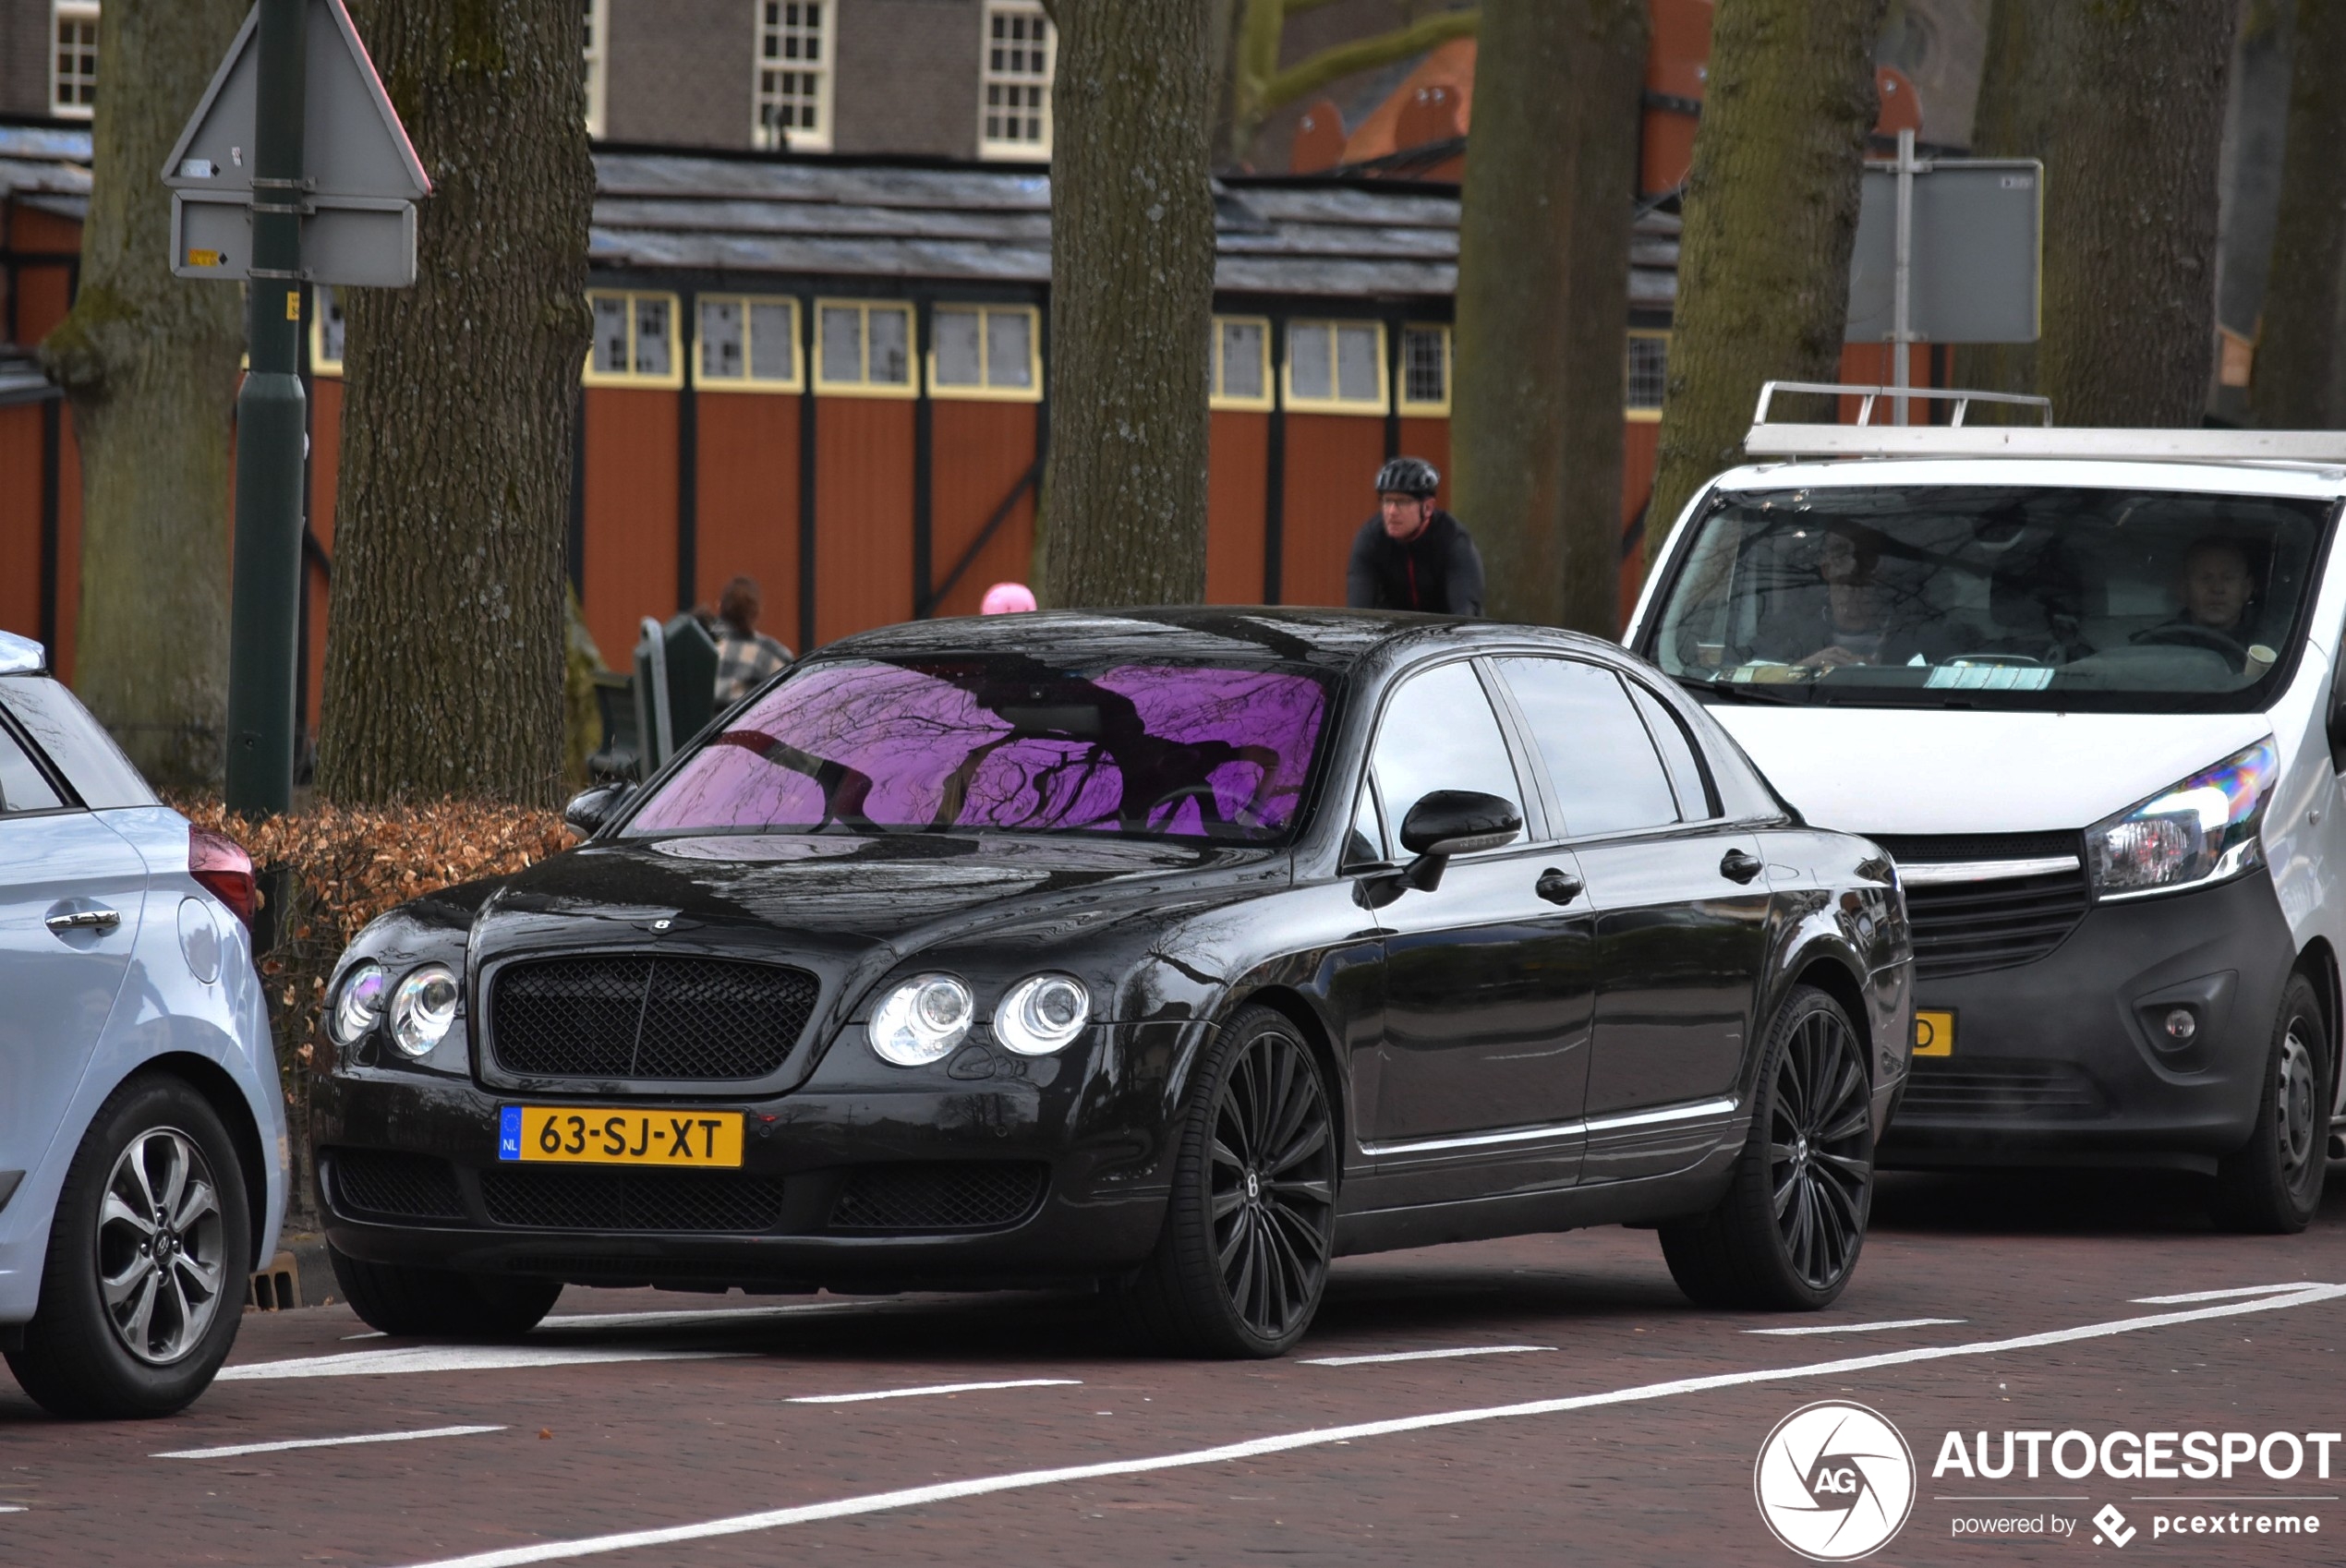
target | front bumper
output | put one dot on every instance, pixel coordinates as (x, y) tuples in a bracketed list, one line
[(2054, 1062), (1088, 1127)]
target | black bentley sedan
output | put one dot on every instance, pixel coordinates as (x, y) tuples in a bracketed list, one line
[(1168, 953)]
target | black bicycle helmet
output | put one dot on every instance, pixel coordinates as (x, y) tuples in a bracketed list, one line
[(1407, 476)]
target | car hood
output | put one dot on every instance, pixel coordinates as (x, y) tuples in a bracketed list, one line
[(1923, 771)]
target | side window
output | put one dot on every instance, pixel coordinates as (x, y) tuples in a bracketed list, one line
[(1439, 733), (1677, 756), (22, 788), (1606, 775)]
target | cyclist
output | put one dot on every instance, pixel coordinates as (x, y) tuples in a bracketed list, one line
[(1412, 555)]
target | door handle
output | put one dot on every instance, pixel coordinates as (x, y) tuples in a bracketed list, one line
[(84, 920), (1559, 887), (1738, 866)]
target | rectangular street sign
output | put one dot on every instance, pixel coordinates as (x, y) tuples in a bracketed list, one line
[(350, 246), (1977, 230)]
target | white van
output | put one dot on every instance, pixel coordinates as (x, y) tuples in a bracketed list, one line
[(2085, 687)]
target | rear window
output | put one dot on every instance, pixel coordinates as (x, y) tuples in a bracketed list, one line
[(76, 744), (1006, 743)]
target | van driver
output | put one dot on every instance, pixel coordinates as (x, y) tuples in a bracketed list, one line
[(2218, 593)]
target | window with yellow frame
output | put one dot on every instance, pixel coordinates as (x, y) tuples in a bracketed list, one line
[(1425, 370), (326, 329), (864, 348), (634, 342), (1336, 368), (746, 343), (985, 351), (1242, 362), (1645, 376)]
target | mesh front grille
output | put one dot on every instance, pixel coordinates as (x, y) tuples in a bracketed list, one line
[(2002, 1090), (408, 1186), (617, 1016), (624, 1201), (936, 1197), (1971, 927), (1939, 848)]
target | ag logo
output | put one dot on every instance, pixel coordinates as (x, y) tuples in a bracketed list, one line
[(1835, 1481)]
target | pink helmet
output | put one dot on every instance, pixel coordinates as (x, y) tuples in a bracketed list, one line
[(1004, 598)]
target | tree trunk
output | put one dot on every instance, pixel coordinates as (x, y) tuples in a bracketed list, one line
[(150, 364), (2297, 354), (444, 656), (1131, 304), (2015, 95), (1543, 305), (1770, 215), (2129, 210)]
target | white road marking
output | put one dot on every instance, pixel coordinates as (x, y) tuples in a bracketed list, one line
[(2233, 1293), (319, 1442), (9, 1508), (1862, 1327), (693, 1315), (1423, 1355), (933, 1388), (448, 1358), (979, 1486)]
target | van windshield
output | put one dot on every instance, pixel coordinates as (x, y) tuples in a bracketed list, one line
[(1975, 596)]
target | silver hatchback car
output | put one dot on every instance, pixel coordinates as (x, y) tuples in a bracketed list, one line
[(142, 1130)]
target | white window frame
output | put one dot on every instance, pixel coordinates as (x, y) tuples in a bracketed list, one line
[(1217, 397), (909, 387), (988, 79), (705, 381), (1336, 403), (632, 378), (823, 29), (595, 47), (987, 392), (1643, 413), (1428, 407), (322, 301), (60, 13)]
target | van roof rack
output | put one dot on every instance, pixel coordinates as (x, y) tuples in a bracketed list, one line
[(1864, 438)]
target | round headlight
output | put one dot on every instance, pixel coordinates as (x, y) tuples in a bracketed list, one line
[(922, 1020), (1042, 1014), (423, 1008), (359, 1005)]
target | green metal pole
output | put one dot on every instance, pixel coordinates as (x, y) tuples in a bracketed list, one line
[(264, 618)]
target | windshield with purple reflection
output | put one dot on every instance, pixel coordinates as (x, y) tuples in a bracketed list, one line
[(1006, 744)]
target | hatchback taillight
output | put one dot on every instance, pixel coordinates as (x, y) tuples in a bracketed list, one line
[(222, 865)]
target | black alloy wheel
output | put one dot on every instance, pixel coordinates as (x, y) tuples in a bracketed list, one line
[(2273, 1184), (1243, 1259), (1787, 1234)]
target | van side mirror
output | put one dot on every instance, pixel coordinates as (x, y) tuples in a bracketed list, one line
[(589, 809)]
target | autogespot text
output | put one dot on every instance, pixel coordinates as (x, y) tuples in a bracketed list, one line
[(2127, 1456)]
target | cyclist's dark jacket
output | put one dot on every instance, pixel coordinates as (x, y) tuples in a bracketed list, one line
[(1440, 570)]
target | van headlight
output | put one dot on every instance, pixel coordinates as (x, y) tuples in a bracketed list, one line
[(922, 1020), (2202, 829), (1042, 1014)]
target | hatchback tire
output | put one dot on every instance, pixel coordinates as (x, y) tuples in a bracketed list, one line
[(149, 1253), (2272, 1184), (1786, 1235), (1242, 1261), (399, 1298)]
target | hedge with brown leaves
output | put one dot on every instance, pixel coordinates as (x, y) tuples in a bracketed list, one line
[(348, 866)]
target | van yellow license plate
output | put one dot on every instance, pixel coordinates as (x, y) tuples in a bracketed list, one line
[(582, 1135), (1934, 1033)]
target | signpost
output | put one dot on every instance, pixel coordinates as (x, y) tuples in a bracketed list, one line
[(294, 169), (1978, 225)]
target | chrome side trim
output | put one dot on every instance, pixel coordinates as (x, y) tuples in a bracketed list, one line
[(1930, 874), (1688, 1112)]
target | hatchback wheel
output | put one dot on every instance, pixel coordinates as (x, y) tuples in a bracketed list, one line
[(442, 1303), (1787, 1234), (1243, 1259), (149, 1252), (2273, 1183)]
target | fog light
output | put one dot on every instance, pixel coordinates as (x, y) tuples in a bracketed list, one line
[(2182, 1026)]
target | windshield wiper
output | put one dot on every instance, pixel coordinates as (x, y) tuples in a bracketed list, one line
[(1744, 691)]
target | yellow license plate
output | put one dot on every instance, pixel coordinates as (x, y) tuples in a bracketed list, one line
[(1934, 1033), (596, 1136)]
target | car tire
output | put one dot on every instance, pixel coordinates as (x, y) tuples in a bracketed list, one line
[(150, 1258), (401, 1298), (1786, 1235), (1242, 1261), (2272, 1184)]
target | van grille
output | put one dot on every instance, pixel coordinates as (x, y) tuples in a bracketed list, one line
[(1971, 927), (2003, 1089), (638, 1016)]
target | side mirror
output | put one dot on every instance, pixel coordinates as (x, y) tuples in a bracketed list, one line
[(589, 809), (1453, 822)]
